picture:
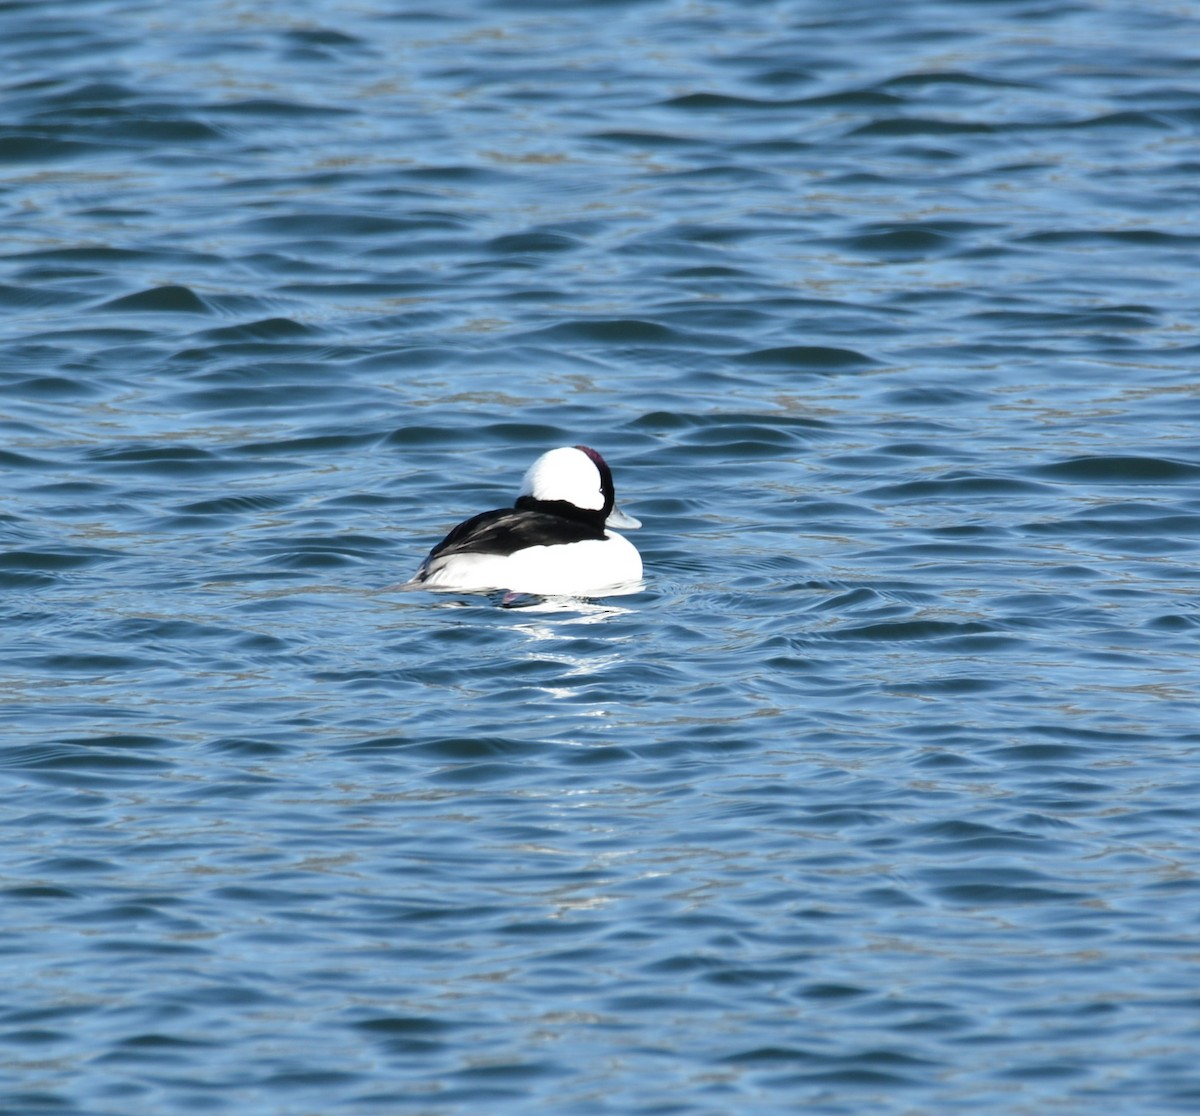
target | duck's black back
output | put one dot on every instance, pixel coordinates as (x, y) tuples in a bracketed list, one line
[(507, 530)]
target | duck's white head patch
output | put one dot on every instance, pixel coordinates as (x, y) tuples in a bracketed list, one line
[(568, 474)]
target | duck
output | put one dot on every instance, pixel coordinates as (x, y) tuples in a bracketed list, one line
[(554, 541)]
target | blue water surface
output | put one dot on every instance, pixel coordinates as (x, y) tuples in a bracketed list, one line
[(880, 797)]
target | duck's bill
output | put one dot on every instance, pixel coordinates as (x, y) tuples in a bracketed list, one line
[(617, 518)]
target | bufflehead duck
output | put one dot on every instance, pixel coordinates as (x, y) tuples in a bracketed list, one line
[(552, 542)]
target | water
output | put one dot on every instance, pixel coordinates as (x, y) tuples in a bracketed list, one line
[(880, 797)]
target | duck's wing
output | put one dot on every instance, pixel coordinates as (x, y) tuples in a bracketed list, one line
[(507, 530)]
